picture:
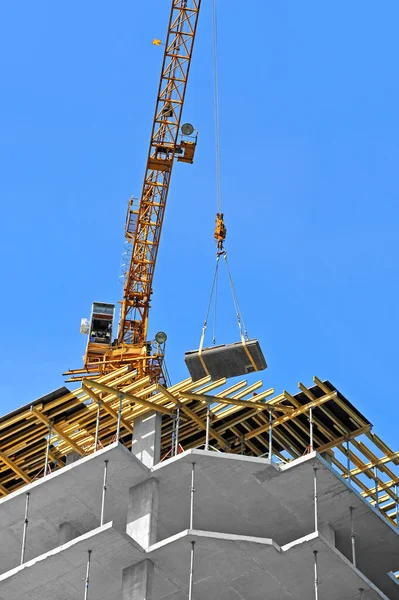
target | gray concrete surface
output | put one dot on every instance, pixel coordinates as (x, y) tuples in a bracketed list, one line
[(60, 573), (71, 495), (227, 567), (249, 496), (233, 495)]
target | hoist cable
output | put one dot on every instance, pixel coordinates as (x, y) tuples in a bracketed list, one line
[(214, 284), (240, 318), (215, 308), (216, 105)]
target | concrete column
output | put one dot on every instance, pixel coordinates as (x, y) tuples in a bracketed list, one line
[(66, 533), (72, 457), (142, 514), (137, 581), (146, 442)]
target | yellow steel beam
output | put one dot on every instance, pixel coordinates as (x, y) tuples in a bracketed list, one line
[(193, 416), (344, 438), (233, 401), (296, 412), (14, 467), (157, 407), (41, 417), (107, 408)]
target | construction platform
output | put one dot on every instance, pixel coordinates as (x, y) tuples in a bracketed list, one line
[(134, 491)]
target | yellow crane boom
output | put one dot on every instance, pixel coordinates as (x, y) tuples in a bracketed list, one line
[(145, 218)]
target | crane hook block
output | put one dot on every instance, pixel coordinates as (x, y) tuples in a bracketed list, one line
[(220, 230)]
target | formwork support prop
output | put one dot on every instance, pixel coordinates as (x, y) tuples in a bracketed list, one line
[(26, 522), (353, 537), (177, 430), (315, 498), (50, 431), (87, 580), (271, 434), (192, 492), (208, 422), (348, 460), (311, 429), (191, 583), (118, 429), (97, 426), (316, 576), (104, 492)]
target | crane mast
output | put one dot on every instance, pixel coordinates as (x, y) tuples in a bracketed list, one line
[(145, 217)]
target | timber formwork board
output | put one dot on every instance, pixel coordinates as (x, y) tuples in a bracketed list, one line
[(64, 422)]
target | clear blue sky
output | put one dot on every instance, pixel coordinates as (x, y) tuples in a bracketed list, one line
[(309, 109)]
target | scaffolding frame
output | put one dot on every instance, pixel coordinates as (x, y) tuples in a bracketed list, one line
[(238, 419)]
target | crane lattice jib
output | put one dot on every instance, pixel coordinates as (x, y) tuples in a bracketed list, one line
[(144, 223)]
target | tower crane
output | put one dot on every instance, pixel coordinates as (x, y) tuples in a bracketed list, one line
[(169, 142)]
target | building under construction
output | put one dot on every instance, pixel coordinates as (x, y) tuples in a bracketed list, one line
[(203, 491), (132, 488)]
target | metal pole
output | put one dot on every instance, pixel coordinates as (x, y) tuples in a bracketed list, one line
[(172, 450), (104, 492), (311, 427), (315, 499), (208, 419), (316, 576), (242, 451), (348, 460), (26, 521), (119, 417), (353, 537), (190, 589), (192, 491), (361, 590), (47, 451), (376, 486), (177, 431), (270, 435), (397, 504), (87, 576), (97, 427)]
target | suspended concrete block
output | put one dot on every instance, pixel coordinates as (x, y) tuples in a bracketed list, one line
[(227, 360)]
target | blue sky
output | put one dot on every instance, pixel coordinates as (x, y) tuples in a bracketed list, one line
[(309, 128)]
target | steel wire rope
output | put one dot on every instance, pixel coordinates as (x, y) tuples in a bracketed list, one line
[(214, 284), (239, 316)]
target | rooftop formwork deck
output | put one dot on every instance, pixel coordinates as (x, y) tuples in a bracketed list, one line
[(240, 419)]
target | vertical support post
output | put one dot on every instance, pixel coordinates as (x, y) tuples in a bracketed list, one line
[(270, 434), (311, 428), (26, 522), (97, 427), (242, 449), (118, 430), (397, 504), (190, 589), (316, 576), (348, 461), (177, 431), (104, 492), (87, 581), (315, 497), (353, 537), (192, 492), (50, 429), (377, 504), (208, 420), (361, 590), (172, 450)]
